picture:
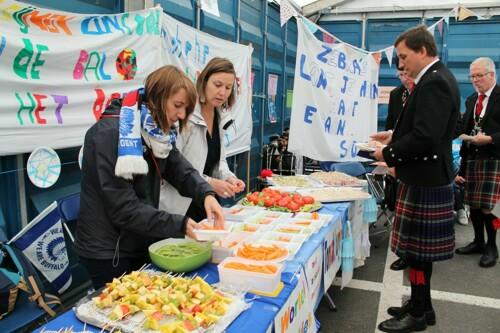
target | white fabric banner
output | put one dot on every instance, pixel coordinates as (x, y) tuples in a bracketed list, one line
[(334, 99), (314, 269), (59, 70), (191, 49)]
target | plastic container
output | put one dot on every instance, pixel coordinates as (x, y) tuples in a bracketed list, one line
[(324, 217), (212, 234), (250, 228), (247, 280), (307, 223), (274, 215), (240, 213), (292, 248), (261, 244), (284, 237), (224, 248), (293, 229)]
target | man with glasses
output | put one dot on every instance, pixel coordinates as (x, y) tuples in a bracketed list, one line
[(480, 152)]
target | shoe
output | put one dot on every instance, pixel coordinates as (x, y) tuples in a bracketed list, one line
[(470, 249), (489, 258), (398, 312), (399, 264), (462, 217), (405, 324)]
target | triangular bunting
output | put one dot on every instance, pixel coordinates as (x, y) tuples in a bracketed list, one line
[(310, 25), (455, 11), (431, 29), (377, 56), (327, 38), (286, 11), (447, 19), (464, 13), (210, 6), (440, 27), (388, 53)]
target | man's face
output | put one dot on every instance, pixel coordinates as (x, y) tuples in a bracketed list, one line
[(405, 79), (482, 80), (410, 61)]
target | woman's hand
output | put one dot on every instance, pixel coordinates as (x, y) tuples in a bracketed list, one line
[(223, 188), (384, 137), (214, 212), (238, 184), (191, 225), (459, 180), (377, 154)]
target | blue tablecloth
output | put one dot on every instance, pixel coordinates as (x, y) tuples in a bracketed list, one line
[(260, 316)]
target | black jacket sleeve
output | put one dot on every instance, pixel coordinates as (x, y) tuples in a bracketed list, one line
[(124, 208)]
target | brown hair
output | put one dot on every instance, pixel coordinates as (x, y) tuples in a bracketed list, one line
[(215, 65), (160, 85), (417, 37)]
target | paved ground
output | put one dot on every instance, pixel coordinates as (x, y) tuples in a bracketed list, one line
[(466, 297)]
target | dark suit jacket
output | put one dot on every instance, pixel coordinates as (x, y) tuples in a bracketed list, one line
[(490, 125), (395, 107), (421, 143)]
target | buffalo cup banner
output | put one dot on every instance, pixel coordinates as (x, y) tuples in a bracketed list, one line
[(334, 99)]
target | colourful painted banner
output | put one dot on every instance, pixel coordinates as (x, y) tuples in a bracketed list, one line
[(191, 49), (59, 70), (297, 315), (335, 98), (332, 248)]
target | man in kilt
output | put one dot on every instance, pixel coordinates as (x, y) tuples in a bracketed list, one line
[(480, 152), (420, 150)]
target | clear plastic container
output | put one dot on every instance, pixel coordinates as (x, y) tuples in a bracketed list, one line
[(301, 222), (248, 280), (292, 248), (240, 213), (262, 244), (284, 237), (223, 248), (293, 229), (212, 234), (315, 216), (250, 228)]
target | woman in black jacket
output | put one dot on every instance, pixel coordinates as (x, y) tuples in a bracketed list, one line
[(126, 155)]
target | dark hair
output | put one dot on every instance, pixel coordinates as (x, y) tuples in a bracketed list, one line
[(160, 85), (417, 37), (215, 65)]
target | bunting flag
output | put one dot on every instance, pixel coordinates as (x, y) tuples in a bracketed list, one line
[(431, 29), (447, 19), (311, 26), (464, 13), (286, 11), (210, 6), (455, 11), (388, 53), (440, 27), (377, 56), (327, 38)]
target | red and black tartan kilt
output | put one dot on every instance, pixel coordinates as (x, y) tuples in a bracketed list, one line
[(423, 223), (482, 186)]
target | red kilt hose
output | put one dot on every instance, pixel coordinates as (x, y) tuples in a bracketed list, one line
[(423, 223), (482, 188)]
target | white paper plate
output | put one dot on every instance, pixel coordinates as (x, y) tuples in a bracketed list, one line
[(365, 147), (43, 167)]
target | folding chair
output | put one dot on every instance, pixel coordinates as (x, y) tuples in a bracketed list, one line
[(69, 208), (376, 185)]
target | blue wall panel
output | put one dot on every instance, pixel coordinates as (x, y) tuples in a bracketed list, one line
[(182, 10), (347, 31)]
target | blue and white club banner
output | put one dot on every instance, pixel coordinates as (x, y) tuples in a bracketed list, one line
[(334, 99), (42, 242), (191, 49)]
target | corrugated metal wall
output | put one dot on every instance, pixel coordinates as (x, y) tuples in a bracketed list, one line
[(256, 22)]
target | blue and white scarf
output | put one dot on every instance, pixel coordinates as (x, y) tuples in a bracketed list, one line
[(135, 123)]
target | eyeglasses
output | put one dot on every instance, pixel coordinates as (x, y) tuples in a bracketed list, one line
[(477, 76)]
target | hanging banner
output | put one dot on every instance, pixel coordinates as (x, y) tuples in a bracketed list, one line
[(335, 99), (332, 248), (191, 49), (59, 70), (297, 315)]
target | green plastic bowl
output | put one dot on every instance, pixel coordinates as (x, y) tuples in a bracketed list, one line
[(179, 264)]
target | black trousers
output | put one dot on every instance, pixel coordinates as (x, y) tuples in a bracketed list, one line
[(102, 271)]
